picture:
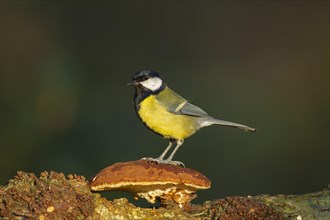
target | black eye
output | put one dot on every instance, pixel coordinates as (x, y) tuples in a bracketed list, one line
[(144, 77), (141, 78)]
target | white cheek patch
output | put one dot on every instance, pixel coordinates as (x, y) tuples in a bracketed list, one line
[(153, 83)]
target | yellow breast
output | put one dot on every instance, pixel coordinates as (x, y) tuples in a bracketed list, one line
[(169, 125)]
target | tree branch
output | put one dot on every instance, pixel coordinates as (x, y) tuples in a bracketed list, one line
[(54, 196)]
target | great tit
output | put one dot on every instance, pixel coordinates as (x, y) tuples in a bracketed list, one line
[(168, 114)]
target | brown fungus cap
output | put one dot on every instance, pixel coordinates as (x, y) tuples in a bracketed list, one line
[(150, 180), (142, 174)]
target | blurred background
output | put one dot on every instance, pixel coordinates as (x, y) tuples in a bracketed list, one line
[(65, 105)]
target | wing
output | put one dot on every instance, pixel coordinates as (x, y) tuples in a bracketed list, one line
[(193, 110), (178, 105)]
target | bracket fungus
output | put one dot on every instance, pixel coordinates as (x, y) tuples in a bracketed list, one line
[(152, 181)]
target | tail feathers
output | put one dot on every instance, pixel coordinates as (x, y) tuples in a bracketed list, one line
[(211, 121)]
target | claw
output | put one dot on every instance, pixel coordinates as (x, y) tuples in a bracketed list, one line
[(176, 163), (156, 160), (147, 158)]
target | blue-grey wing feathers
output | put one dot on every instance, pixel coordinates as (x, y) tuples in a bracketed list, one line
[(193, 110)]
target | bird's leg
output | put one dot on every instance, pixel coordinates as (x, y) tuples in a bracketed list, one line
[(169, 159), (161, 157)]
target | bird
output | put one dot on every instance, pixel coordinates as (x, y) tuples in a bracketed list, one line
[(168, 114)]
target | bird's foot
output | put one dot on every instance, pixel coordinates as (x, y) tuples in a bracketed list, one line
[(160, 161), (173, 162)]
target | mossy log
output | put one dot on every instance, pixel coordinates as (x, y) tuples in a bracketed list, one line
[(55, 196)]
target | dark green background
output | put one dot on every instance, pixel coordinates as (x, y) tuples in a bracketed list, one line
[(65, 105)]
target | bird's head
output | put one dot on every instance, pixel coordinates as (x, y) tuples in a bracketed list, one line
[(147, 80)]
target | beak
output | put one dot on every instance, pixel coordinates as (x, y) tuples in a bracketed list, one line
[(131, 83)]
